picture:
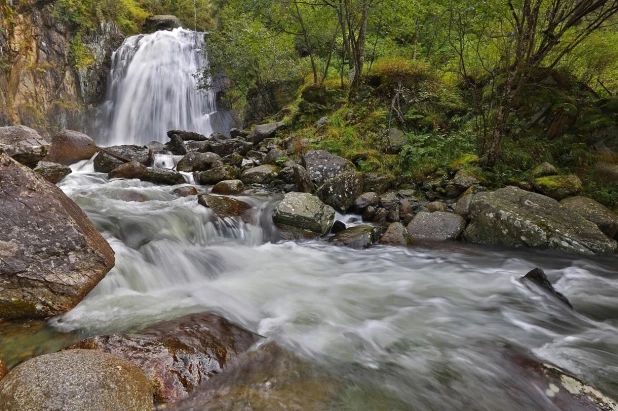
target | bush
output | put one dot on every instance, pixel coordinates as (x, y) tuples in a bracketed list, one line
[(397, 70)]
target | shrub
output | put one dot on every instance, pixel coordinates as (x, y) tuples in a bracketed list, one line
[(397, 70)]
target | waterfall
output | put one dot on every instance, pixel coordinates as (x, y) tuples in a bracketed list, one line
[(153, 88)]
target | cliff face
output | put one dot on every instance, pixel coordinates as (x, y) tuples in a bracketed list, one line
[(39, 85)]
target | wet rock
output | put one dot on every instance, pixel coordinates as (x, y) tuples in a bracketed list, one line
[(23, 144), (76, 380), (3, 369), (233, 159), (227, 147), (341, 190), (68, 147), (263, 174), (365, 200), (218, 137), (303, 215), (405, 208), (161, 22), (52, 172), (216, 174), (187, 135), (185, 191), (538, 278), (359, 237), (130, 196), (338, 227), (269, 378), (322, 165), (195, 161), (224, 207), (558, 187), (381, 216), (396, 234), (593, 212), (514, 217), (137, 170), (228, 187), (376, 182), (264, 131), (128, 171), (396, 140), (198, 146), (369, 214), (50, 253), (157, 148), (543, 170), (176, 145), (104, 163), (436, 226), (303, 179), (179, 355), (436, 206)]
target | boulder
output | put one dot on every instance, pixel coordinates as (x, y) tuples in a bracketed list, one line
[(558, 187), (514, 217), (264, 131), (194, 161), (594, 212), (543, 170), (228, 187), (273, 155), (176, 145), (51, 254), (263, 174), (322, 165), (436, 206), (303, 179), (258, 156), (538, 278), (303, 215), (68, 147), (224, 207), (76, 380), (23, 144), (233, 159), (287, 175), (396, 234), (237, 133), (52, 172), (396, 140), (187, 135), (376, 182), (198, 146), (161, 22), (227, 147), (341, 190), (606, 174), (178, 355), (104, 163), (464, 180), (436, 226), (216, 174), (185, 191), (137, 170), (129, 170), (365, 200), (338, 227), (359, 237)]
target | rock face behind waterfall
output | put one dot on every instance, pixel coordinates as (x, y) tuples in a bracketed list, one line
[(514, 217), (50, 253)]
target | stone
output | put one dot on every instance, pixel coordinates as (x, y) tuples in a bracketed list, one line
[(187, 135), (104, 163), (376, 182), (4, 370), (185, 191), (198, 146), (256, 155), (303, 214), (50, 253), (340, 191), (558, 187), (606, 174), (224, 207), (543, 170), (264, 131), (178, 355), (153, 175), (229, 146), (436, 226), (369, 213), (161, 22), (218, 137), (365, 200), (338, 227), (436, 206), (594, 212), (216, 174), (263, 174), (303, 179), (228, 187), (129, 170), (463, 180), (539, 279), (359, 237), (130, 196), (397, 139), (76, 380), (287, 175), (396, 234), (514, 217), (322, 165), (237, 133), (23, 144), (194, 161), (52, 172), (176, 145), (68, 147), (273, 155), (233, 159)]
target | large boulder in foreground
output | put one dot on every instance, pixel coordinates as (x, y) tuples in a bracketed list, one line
[(23, 144), (593, 212), (50, 253), (514, 217), (179, 355), (68, 147), (303, 215), (323, 165), (76, 380)]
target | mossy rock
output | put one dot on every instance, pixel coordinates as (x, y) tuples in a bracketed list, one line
[(558, 187), (543, 170), (463, 162), (17, 309)]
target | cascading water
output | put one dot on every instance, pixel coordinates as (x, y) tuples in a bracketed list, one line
[(153, 88)]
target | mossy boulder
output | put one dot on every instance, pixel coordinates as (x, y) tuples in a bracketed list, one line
[(594, 212), (464, 161), (543, 170), (228, 187), (263, 174), (558, 187), (359, 237), (52, 172), (216, 174), (303, 215)]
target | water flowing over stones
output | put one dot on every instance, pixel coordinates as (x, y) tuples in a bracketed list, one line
[(153, 89)]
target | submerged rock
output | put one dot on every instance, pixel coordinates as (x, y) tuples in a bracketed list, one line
[(76, 380), (558, 187), (52, 172), (341, 190), (359, 237), (593, 212), (224, 207), (186, 191), (23, 144), (68, 147), (303, 215), (179, 355), (514, 217), (228, 187), (436, 226), (50, 253), (104, 163), (322, 165), (538, 277)]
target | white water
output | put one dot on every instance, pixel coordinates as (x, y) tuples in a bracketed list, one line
[(153, 89), (412, 327)]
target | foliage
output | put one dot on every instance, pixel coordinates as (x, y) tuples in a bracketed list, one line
[(80, 55)]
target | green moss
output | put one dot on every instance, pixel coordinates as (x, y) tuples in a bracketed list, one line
[(464, 161), (81, 56), (18, 309)]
